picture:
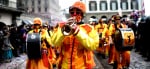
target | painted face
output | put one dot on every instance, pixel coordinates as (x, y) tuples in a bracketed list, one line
[(77, 14)]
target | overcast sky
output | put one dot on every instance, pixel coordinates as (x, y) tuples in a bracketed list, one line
[(66, 3)]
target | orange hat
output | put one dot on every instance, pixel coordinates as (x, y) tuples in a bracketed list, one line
[(80, 5), (37, 21)]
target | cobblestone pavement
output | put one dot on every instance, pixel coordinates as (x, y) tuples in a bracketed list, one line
[(20, 63), (137, 62), (98, 64), (16, 63)]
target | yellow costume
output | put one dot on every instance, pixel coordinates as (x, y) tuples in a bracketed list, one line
[(44, 61), (77, 47), (121, 57), (102, 29), (76, 51)]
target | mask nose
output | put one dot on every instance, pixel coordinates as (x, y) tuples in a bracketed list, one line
[(74, 14)]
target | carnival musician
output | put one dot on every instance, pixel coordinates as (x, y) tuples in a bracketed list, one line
[(42, 62), (51, 50), (111, 29), (76, 39), (122, 57), (102, 30)]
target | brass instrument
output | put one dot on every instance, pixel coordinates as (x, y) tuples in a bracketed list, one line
[(67, 28)]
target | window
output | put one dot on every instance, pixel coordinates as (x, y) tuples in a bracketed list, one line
[(39, 2), (46, 3), (26, 3), (39, 9), (32, 9), (32, 3), (134, 5), (4, 2), (45, 9), (124, 4), (92, 6), (103, 5), (113, 5)]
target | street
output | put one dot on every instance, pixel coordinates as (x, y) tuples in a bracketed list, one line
[(137, 62), (16, 63)]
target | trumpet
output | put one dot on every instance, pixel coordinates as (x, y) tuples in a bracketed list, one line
[(67, 28)]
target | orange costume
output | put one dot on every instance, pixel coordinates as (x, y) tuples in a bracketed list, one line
[(121, 57), (52, 55), (102, 30), (111, 29), (44, 61), (76, 48)]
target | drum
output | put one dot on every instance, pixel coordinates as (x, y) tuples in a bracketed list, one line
[(124, 39), (33, 44)]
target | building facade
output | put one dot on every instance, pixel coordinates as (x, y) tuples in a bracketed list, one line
[(107, 8), (9, 11), (45, 9)]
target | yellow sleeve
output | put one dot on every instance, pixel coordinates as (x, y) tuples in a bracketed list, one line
[(90, 40), (57, 37), (31, 31), (48, 38), (96, 27), (111, 29), (51, 33)]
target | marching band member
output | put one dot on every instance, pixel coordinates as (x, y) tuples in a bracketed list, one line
[(43, 62), (93, 21), (111, 29), (122, 57), (76, 39), (52, 55), (102, 30)]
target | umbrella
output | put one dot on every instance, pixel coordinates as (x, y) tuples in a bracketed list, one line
[(2, 25), (27, 22)]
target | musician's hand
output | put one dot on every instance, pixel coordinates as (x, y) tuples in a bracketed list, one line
[(110, 40), (70, 20), (75, 29)]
